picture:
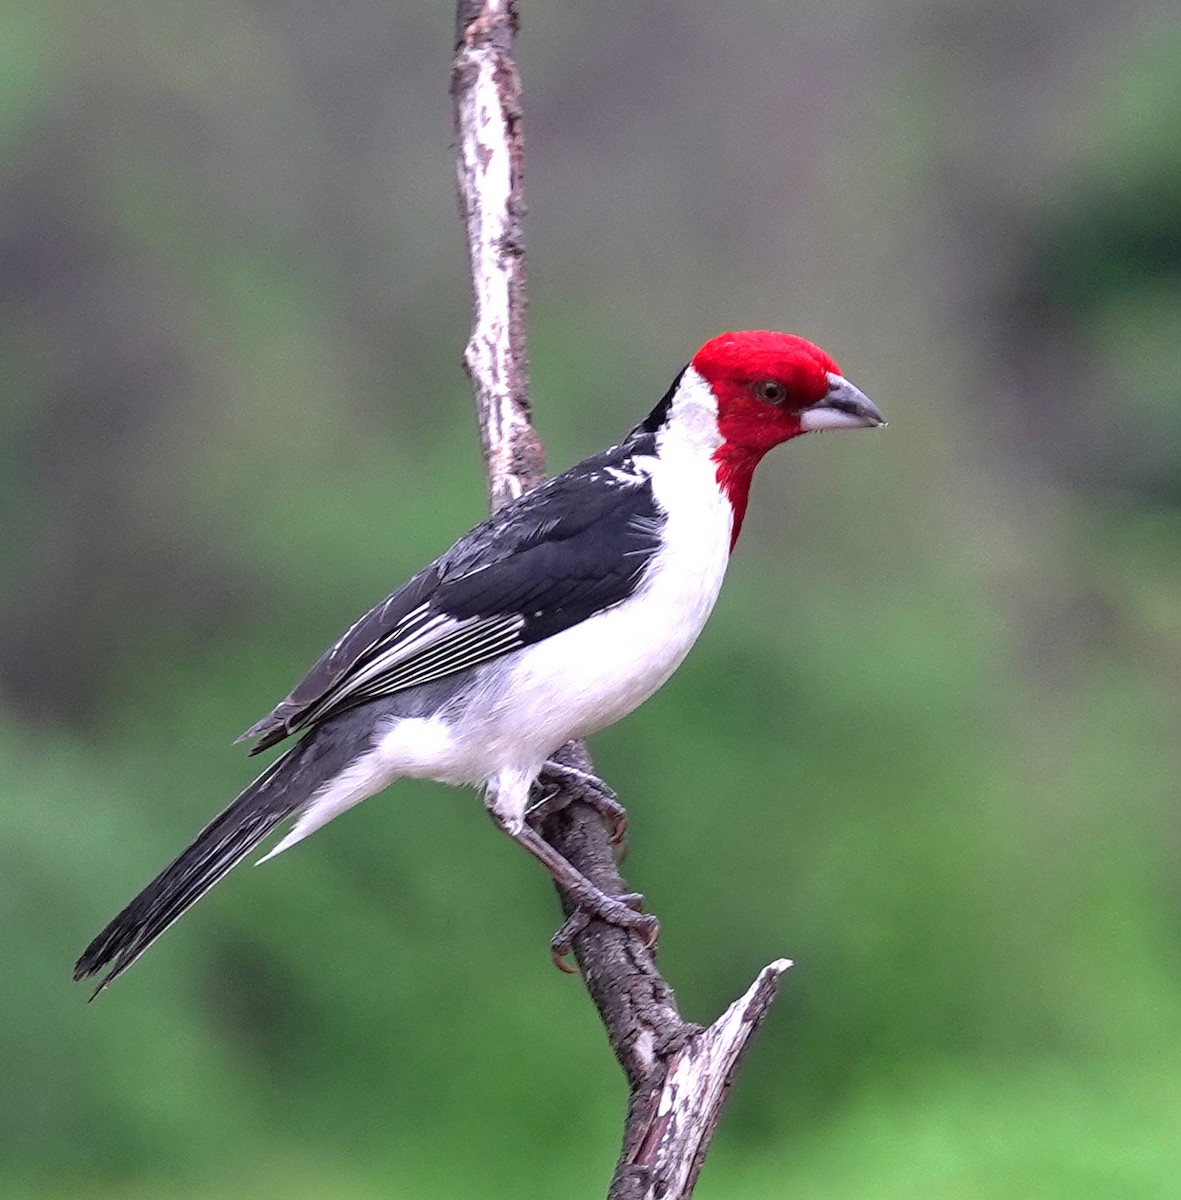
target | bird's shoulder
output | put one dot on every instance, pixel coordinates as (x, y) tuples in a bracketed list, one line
[(601, 491)]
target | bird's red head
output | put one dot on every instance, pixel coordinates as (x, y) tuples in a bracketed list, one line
[(770, 387)]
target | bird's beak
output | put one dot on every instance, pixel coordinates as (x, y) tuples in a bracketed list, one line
[(843, 407)]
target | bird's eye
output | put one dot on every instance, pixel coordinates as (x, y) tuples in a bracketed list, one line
[(770, 391)]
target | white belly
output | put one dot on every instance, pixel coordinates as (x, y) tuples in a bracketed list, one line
[(591, 675)]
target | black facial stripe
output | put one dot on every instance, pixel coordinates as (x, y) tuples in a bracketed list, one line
[(657, 417)]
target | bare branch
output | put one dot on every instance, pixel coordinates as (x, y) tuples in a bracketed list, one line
[(486, 89), (678, 1074)]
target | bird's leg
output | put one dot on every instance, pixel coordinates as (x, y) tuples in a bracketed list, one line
[(569, 783), (591, 901)]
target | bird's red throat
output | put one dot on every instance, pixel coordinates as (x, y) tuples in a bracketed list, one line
[(735, 469)]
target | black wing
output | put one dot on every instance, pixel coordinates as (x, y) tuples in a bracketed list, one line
[(573, 546)]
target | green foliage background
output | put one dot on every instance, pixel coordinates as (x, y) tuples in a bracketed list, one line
[(927, 747)]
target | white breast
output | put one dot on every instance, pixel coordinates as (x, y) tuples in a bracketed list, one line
[(596, 672)]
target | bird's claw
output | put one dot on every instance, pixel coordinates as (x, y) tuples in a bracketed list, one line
[(571, 784), (606, 803), (624, 912), (561, 945), (617, 829)]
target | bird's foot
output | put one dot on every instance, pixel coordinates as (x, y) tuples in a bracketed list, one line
[(569, 783), (622, 911), (589, 901)]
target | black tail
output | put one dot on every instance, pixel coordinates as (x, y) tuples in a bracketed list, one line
[(218, 848)]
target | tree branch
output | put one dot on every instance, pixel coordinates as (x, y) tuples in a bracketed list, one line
[(678, 1073), (486, 89)]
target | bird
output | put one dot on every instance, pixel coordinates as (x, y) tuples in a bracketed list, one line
[(553, 618)]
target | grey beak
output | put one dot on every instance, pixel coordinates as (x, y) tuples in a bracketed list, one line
[(843, 407)]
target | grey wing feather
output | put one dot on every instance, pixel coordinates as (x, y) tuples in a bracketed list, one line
[(548, 560), (388, 650)]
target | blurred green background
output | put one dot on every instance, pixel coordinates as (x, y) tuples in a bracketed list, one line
[(928, 746)]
